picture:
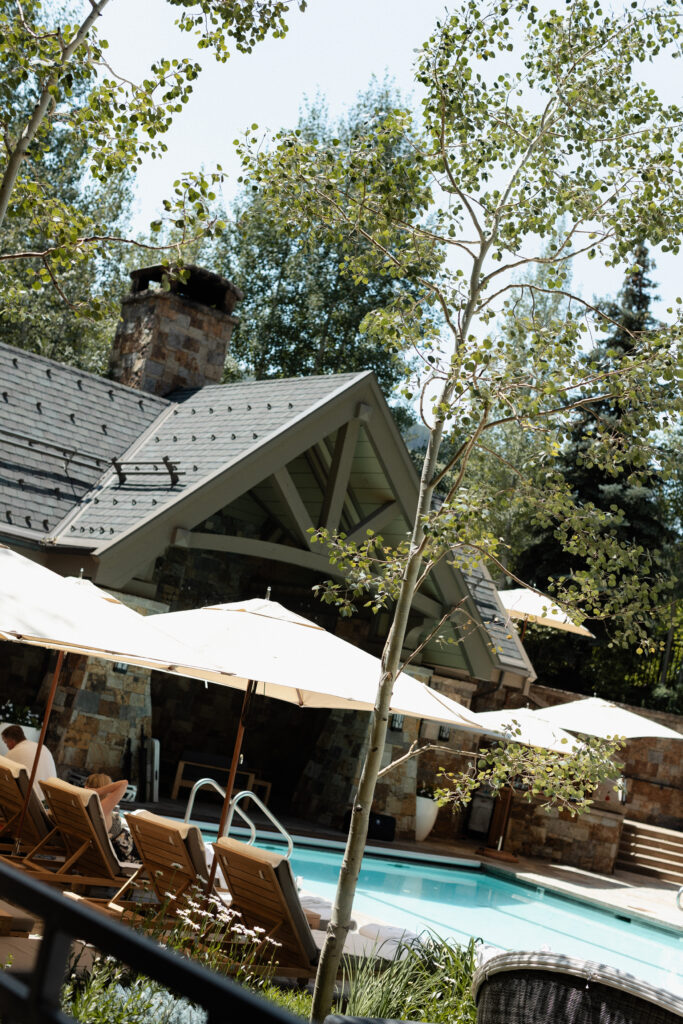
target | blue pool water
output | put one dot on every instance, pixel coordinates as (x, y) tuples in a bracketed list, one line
[(457, 903)]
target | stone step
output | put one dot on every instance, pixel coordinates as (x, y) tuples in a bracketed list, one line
[(663, 835), (651, 850), (656, 842), (651, 858), (661, 874)]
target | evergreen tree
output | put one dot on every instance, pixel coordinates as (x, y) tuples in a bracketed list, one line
[(630, 487)]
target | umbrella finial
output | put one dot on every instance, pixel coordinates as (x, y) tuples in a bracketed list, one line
[(267, 593)]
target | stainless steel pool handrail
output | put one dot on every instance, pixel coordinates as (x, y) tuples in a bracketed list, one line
[(243, 794)]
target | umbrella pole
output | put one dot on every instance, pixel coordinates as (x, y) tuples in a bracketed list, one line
[(41, 741), (237, 750)]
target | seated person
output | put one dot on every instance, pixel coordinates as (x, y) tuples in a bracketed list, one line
[(110, 793), (24, 752)]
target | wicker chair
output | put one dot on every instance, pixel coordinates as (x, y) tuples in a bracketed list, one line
[(542, 988)]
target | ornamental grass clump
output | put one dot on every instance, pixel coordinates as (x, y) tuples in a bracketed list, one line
[(428, 980)]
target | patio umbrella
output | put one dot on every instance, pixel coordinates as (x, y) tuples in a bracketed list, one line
[(41, 608), (593, 716), (525, 604), (277, 653), (522, 725)]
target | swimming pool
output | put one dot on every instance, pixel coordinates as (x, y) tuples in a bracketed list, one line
[(457, 903)]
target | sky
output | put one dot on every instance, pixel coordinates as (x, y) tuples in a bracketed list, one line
[(333, 49)]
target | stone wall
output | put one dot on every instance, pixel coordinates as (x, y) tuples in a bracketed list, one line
[(328, 783), (98, 709), (589, 841)]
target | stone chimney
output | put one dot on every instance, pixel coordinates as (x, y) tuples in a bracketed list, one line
[(177, 337)]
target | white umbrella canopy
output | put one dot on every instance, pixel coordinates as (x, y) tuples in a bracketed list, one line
[(525, 604), (594, 716), (522, 725), (39, 607), (276, 653), (293, 659)]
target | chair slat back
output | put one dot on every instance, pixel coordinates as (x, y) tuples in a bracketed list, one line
[(78, 815), (263, 890), (13, 788), (173, 853)]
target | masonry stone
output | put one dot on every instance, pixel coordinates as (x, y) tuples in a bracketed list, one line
[(175, 338)]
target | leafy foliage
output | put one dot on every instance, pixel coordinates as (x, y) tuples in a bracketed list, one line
[(301, 312), (67, 117), (528, 120), (565, 780), (631, 491)]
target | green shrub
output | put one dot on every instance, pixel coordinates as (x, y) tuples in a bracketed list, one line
[(430, 982)]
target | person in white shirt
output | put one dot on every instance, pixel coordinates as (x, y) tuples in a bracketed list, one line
[(24, 752)]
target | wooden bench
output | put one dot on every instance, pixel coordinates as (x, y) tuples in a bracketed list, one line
[(243, 779)]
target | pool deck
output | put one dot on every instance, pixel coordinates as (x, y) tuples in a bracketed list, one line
[(627, 893)]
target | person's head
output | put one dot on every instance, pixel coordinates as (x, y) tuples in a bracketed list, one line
[(12, 735), (97, 780)]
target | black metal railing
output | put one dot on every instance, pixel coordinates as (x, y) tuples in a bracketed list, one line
[(34, 997)]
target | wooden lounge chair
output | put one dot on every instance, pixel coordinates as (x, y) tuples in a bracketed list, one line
[(90, 857), (173, 854), (37, 830), (264, 891), (534, 988)]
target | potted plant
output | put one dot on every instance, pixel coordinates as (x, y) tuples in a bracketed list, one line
[(19, 714), (426, 810)]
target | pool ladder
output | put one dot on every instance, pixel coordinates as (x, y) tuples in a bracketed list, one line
[(244, 794)]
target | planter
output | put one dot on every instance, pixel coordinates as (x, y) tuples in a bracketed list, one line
[(29, 732), (426, 811)]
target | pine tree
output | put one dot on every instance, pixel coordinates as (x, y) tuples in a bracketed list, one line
[(634, 487)]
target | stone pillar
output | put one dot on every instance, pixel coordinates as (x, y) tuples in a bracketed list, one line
[(99, 706)]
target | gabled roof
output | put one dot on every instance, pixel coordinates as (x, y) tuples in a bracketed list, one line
[(201, 434), (59, 430), (92, 466)]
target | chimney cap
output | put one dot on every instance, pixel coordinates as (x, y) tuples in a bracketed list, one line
[(202, 286)]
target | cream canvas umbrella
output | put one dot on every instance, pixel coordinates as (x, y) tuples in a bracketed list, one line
[(593, 716), (293, 659), (522, 725), (277, 653), (525, 604), (41, 608)]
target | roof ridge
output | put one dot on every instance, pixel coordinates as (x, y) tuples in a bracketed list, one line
[(351, 375)]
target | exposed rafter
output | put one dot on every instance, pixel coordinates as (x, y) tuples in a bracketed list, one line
[(340, 471), (375, 521)]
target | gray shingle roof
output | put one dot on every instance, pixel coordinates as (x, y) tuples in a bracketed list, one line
[(59, 430), (205, 431)]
